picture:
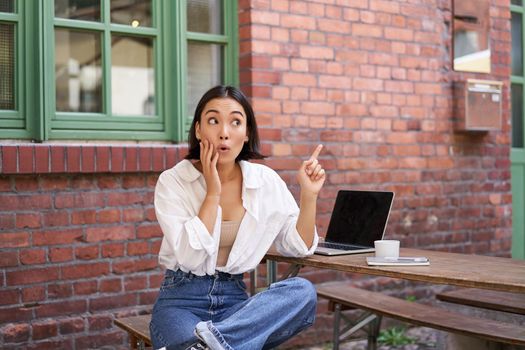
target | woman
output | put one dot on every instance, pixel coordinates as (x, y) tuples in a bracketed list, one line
[(219, 215)]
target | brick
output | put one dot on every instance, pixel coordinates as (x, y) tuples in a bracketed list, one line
[(9, 159), (144, 154), (71, 325), (84, 217), (25, 202), (32, 256), (135, 283), (127, 198), (60, 254), (61, 308), (73, 159), (16, 333), (42, 163), (100, 322), (85, 287), (108, 216), (87, 253), (84, 270), (112, 285), (9, 296), (117, 159), (15, 314), (14, 239), (46, 329), (26, 159), (113, 250), (113, 233), (115, 338), (35, 275), (133, 215), (33, 294), (129, 266), (88, 159), (58, 159), (138, 248), (55, 182), (149, 231), (50, 218), (79, 200), (53, 237), (59, 290), (8, 259), (131, 159), (103, 159), (148, 298), (27, 220), (158, 159), (111, 303)]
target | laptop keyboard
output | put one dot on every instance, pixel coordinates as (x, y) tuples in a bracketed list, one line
[(340, 246)]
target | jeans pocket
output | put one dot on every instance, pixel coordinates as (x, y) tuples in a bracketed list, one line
[(240, 283), (172, 281)]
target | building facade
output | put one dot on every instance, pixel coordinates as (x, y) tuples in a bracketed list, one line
[(95, 98)]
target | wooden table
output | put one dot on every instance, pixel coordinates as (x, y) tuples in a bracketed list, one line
[(485, 272)]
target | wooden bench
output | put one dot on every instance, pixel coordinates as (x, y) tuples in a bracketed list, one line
[(487, 299), (138, 330), (376, 304)]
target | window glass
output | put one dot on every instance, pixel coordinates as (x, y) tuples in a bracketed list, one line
[(205, 16), (204, 70), (132, 76), (517, 115), (131, 12), (78, 71), (7, 5), (7, 66), (517, 46), (516, 2), (87, 10)]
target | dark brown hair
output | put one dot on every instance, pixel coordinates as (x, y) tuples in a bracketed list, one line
[(250, 149)]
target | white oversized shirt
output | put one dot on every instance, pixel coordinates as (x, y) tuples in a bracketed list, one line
[(270, 219)]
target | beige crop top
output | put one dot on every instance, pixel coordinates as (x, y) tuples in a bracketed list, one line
[(229, 231)]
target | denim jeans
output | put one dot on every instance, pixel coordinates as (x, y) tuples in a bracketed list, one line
[(226, 317)]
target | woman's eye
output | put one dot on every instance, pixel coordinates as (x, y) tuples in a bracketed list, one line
[(212, 121), (236, 122)]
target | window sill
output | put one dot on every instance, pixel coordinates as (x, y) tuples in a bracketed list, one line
[(28, 158)]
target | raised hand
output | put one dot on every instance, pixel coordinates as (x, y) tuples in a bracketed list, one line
[(209, 158), (311, 175)]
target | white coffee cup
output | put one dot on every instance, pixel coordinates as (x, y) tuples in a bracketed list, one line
[(387, 248)]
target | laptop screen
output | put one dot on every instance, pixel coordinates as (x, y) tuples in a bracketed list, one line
[(359, 217)]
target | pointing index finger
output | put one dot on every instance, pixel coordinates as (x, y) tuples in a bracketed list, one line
[(316, 152)]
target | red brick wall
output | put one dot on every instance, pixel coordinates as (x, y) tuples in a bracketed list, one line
[(370, 79)]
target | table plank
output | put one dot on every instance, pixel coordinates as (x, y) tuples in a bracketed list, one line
[(476, 271)]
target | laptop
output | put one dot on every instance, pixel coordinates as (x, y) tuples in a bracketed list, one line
[(359, 218)]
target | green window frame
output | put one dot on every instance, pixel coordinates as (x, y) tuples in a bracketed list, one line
[(35, 116), (14, 123)]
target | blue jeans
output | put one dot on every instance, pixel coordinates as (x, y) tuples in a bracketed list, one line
[(227, 317)]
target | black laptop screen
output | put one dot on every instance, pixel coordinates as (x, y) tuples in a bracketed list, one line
[(359, 217)]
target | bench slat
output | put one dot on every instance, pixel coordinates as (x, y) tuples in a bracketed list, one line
[(488, 299), (137, 326), (423, 315)]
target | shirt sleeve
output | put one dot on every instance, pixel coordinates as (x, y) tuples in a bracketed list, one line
[(186, 235), (289, 242)]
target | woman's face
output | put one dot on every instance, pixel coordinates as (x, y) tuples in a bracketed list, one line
[(223, 123)]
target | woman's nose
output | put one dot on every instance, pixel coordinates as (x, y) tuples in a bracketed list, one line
[(224, 133)]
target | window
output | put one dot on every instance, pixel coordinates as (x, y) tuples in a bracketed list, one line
[(113, 69)]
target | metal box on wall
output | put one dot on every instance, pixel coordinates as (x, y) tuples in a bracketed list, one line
[(478, 105)]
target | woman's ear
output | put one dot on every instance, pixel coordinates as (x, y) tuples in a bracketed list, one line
[(197, 131)]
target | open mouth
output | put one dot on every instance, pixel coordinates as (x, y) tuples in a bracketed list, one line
[(222, 148)]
